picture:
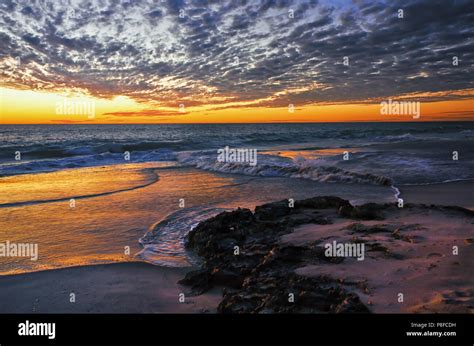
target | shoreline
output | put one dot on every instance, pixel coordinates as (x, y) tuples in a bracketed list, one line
[(100, 228), (280, 252)]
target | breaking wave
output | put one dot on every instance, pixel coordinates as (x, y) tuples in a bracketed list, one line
[(275, 166), (163, 243)]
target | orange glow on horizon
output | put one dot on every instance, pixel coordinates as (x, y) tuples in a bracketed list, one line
[(40, 107)]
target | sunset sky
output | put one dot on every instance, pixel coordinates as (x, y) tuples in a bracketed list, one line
[(201, 61)]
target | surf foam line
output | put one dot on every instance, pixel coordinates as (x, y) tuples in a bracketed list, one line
[(164, 242), (271, 167), (64, 199), (439, 182), (396, 190)]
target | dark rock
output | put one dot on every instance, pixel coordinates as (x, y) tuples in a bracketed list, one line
[(361, 228), (369, 211), (199, 280), (227, 225), (261, 276), (222, 277), (272, 211), (309, 296), (305, 218), (351, 304), (322, 202)]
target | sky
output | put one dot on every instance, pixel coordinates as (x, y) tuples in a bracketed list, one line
[(206, 61)]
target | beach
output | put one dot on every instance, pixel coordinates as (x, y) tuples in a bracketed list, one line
[(415, 259), (134, 287), (245, 172), (410, 251), (116, 233), (451, 193)]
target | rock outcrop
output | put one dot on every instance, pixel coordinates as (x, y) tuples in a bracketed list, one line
[(242, 253)]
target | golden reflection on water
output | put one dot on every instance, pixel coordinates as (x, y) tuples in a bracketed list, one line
[(313, 154), (97, 229), (73, 182)]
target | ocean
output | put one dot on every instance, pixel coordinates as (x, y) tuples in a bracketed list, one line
[(405, 152), (87, 193)]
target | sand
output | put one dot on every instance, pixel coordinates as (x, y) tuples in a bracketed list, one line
[(414, 257), (454, 193), (409, 252), (133, 287)]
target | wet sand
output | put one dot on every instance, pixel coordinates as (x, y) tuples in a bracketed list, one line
[(132, 287), (454, 193)]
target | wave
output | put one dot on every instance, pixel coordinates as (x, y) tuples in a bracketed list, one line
[(275, 166), (85, 149), (154, 179), (66, 146), (397, 138), (467, 133), (87, 146), (163, 243), (84, 160)]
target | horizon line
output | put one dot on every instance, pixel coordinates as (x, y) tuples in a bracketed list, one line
[(243, 123)]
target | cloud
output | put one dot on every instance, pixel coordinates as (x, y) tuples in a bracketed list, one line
[(146, 113), (219, 53)]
